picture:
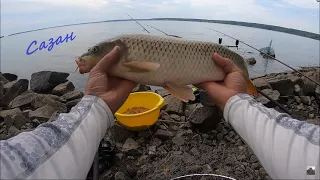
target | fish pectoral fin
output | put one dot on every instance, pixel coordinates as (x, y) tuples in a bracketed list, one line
[(183, 92), (136, 66), (251, 89)]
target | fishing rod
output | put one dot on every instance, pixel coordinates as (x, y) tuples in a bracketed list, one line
[(268, 56), (138, 23), (164, 32)]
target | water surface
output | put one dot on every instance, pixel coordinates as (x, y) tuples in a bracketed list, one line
[(294, 50)]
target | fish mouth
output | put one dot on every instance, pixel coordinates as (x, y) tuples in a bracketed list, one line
[(82, 65)]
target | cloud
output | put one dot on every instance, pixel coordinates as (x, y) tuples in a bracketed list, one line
[(21, 15), (312, 4)]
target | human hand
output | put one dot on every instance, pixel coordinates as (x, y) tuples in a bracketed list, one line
[(234, 82), (112, 90)]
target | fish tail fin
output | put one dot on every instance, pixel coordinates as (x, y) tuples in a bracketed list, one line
[(251, 89)]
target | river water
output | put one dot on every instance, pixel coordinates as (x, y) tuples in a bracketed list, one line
[(291, 49)]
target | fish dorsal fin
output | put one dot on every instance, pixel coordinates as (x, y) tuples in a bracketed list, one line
[(183, 92), (136, 66)]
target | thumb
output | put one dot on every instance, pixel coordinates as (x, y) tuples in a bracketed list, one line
[(106, 62), (226, 64)]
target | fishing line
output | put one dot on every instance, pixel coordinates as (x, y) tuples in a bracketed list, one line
[(138, 23), (268, 56)]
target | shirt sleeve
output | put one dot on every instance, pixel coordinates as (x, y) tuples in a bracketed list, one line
[(285, 147), (63, 149)]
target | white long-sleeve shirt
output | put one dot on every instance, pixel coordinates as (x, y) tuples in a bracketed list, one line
[(65, 148)]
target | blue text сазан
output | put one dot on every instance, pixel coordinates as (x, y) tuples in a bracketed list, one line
[(33, 47)]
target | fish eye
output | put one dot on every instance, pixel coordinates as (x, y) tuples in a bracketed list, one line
[(95, 49)]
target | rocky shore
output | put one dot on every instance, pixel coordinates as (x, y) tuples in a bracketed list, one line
[(188, 138)]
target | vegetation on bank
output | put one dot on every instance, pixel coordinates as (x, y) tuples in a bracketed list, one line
[(254, 25)]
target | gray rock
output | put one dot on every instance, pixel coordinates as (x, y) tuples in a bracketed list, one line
[(195, 151), (1, 89), (300, 106), (141, 88), (35, 122), (206, 118), (145, 134), (130, 147), (297, 99), (8, 85), (283, 85), (23, 99), (72, 103), (296, 80), (119, 134), (53, 117), (132, 170), (178, 140), (18, 88), (42, 100), (164, 115), (183, 119), (72, 95), (231, 134), (56, 98), (175, 117), (63, 88), (306, 100), (190, 108), (251, 61), (297, 90), (9, 76), (45, 81), (205, 100), (162, 92), (163, 134), (253, 158), (261, 83), (155, 142), (13, 131), (121, 176), (309, 86), (152, 150), (10, 112), (3, 79), (177, 152), (273, 94), (119, 155), (311, 116), (174, 105), (19, 120), (43, 113), (313, 121)]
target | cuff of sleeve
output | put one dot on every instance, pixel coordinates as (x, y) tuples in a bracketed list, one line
[(230, 103), (102, 104)]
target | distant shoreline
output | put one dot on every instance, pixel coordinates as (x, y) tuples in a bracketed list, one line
[(237, 23)]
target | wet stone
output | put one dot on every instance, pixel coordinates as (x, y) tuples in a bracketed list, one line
[(163, 134), (178, 140)]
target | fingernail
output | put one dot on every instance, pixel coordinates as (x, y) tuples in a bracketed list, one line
[(116, 49)]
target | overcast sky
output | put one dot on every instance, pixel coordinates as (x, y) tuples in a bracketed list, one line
[(22, 15)]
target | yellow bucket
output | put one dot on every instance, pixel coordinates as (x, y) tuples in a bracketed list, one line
[(137, 122)]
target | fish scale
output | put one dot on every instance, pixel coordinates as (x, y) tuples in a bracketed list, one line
[(164, 61)]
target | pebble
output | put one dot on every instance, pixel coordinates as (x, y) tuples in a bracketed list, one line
[(119, 155), (177, 152), (178, 140), (175, 117), (195, 151), (311, 115), (121, 176), (152, 150)]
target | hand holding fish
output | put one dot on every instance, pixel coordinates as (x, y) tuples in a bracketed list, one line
[(112, 90), (233, 83)]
